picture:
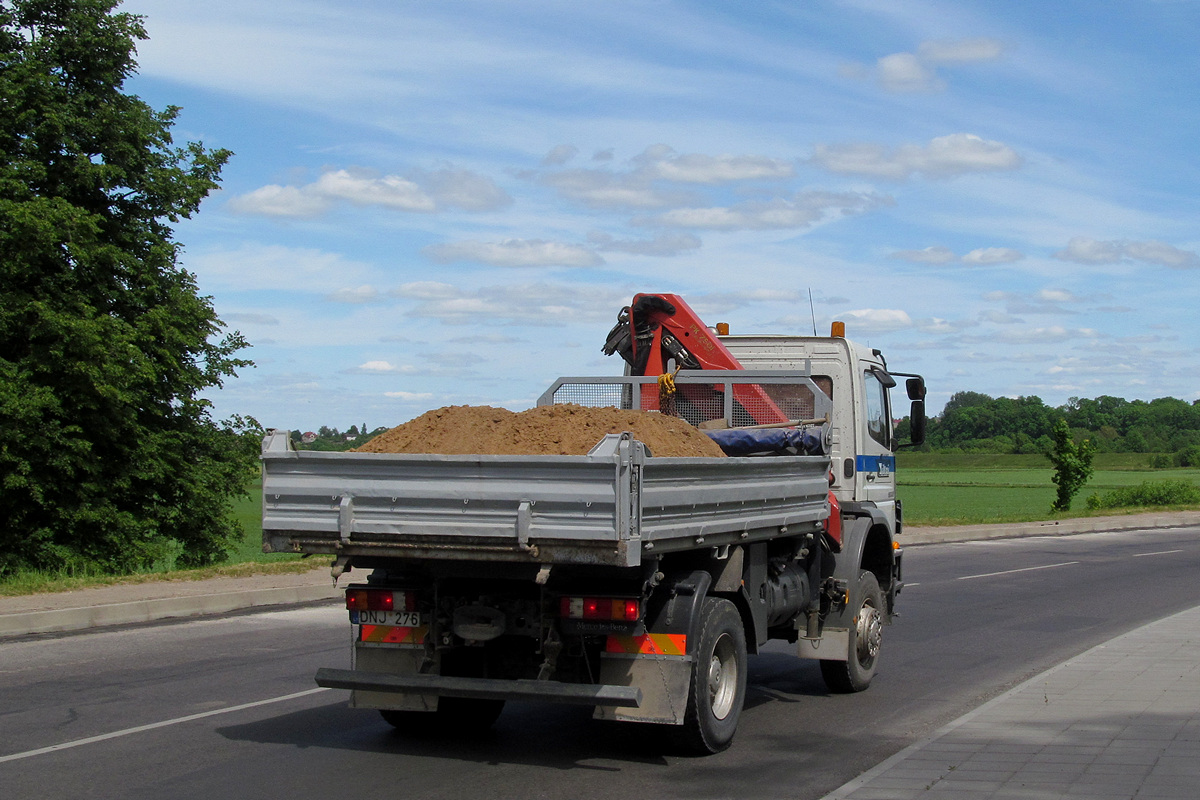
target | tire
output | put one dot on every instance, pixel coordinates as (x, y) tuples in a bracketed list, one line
[(866, 634), (718, 685)]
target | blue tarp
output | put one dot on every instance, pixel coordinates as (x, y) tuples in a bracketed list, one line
[(746, 441)]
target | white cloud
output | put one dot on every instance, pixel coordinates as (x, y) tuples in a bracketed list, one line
[(1046, 335), (909, 73), (937, 325), (878, 320), (664, 244), (944, 157), (424, 192), (999, 318), (426, 290), (1083, 250), (802, 210), (409, 395), (250, 318), (936, 254), (960, 51), (460, 188), (904, 72), (560, 155), (1057, 296), (515, 253), (1045, 301), (642, 185), (273, 200), (530, 304), (382, 368), (696, 168), (605, 189), (272, 267), (360, 294), (361, 189), (992, 255)]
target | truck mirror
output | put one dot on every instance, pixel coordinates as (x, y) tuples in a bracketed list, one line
[(916, 417), (915, 388)]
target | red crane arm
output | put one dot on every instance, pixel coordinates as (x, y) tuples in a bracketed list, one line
[(664, 327)]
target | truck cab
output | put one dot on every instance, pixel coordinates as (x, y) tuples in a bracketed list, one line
[(860, 435)]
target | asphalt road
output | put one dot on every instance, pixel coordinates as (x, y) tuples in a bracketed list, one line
[(227, 708)]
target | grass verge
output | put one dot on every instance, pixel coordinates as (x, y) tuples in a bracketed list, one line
[(246, 558)]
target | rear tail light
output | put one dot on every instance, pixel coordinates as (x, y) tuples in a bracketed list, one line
[(622, 609), (360, 599)]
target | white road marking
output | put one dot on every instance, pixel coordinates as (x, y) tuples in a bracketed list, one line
[(1011, 571), (1159, 553), (141, 728)]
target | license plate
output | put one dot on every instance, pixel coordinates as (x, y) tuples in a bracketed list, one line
[(398, 619)]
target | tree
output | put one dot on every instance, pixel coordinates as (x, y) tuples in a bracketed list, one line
[(1072, 465), (108, 453)]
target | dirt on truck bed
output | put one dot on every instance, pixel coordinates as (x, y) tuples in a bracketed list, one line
[(565, 429)]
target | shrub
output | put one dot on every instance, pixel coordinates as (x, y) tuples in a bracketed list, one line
[(1148, 494), (1188, 456), (1072, 465)]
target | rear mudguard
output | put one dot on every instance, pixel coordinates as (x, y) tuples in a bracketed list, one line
[(659, 662)]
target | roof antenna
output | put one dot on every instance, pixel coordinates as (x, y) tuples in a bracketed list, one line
[(812, 310)]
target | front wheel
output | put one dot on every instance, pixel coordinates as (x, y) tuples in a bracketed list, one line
[(718, 685), (866, 636)]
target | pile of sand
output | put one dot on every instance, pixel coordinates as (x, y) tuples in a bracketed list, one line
[(565, 429)]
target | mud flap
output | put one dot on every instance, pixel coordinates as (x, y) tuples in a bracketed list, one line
[(397, 661), (834, 645), (663, 679)]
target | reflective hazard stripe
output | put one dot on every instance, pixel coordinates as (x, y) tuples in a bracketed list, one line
[(662, 644), (390, 634)]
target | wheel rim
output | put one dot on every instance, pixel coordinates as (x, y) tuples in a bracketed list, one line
[(869, 634), (723, 677)]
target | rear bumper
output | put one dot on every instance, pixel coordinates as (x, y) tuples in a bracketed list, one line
[(481, 688)]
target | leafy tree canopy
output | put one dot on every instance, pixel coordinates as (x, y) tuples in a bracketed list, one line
[(980, 423), (108, 454)]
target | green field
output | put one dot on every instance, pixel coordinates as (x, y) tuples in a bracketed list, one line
[(970, 489)]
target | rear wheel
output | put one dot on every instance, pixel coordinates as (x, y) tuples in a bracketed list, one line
[(866, 636), (718, 685)]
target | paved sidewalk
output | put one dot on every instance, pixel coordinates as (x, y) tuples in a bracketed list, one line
[(1120, 721)]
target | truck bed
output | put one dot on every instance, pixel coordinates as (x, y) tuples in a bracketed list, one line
[(608, 507)]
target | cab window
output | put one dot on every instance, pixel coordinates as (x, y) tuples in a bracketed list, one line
[(876, 405)]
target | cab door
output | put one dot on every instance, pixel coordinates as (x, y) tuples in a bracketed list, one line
[(875, 465)]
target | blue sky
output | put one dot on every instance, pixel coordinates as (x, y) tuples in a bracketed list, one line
[(448, 203)]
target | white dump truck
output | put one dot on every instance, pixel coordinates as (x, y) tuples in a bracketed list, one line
[(632, 583)]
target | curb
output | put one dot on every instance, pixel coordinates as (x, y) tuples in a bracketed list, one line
[(973, 533), (74, 619)]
